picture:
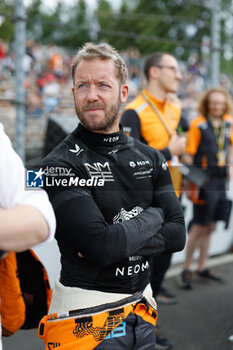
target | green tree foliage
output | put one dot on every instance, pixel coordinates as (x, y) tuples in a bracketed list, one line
[(52, 25), (7, 26), (105, 16), (75, 27), (64, 26), (42, 26), (171, 25), (175, 26), (34, 24)]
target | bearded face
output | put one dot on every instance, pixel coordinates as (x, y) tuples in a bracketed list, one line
[(98, 116), (98, 95)]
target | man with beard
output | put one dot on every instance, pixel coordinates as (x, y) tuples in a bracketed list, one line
[(107, 232)]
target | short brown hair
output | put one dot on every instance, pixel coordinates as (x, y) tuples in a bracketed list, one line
[(103, 51), (153, 60), (203, 107)]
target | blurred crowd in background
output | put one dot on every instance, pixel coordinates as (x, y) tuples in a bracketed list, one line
[(48, 81)]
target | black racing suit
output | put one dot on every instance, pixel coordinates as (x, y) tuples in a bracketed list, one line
[(117, 226)]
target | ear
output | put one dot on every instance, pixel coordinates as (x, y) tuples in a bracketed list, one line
[(73, 91), (153, 72), (124, 93)]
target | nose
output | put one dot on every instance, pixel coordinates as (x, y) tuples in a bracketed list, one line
[(179, 75), (92, 94)]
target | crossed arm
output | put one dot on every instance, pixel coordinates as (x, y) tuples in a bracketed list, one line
[(26, 217), (21, 227), (82, 226), (86, 230)]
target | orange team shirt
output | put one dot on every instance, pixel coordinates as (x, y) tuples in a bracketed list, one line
[(194, 133), (152, 129)]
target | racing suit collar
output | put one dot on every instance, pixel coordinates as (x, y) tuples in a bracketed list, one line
[(92, 138)]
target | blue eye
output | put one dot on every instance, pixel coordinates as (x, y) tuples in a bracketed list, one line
[(104, 86), (81, 86)]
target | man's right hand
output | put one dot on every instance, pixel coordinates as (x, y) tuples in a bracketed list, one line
[(177, 145)]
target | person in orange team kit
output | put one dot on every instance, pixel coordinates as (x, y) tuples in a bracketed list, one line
[(153, 117), (209, 146)]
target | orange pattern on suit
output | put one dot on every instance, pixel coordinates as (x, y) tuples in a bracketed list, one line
[(86, 329)]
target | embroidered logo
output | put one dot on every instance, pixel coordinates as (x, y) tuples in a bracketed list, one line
[(77, 150), (99, 170), (132, 164), (164, 166), (124, 215)]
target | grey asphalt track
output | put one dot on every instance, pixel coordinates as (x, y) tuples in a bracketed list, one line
[(202, 320)]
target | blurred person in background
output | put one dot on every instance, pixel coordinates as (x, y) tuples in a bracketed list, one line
[(153, 118), (56, 64), (26, 217), (209, 146), (106, 233), (226, 84)]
